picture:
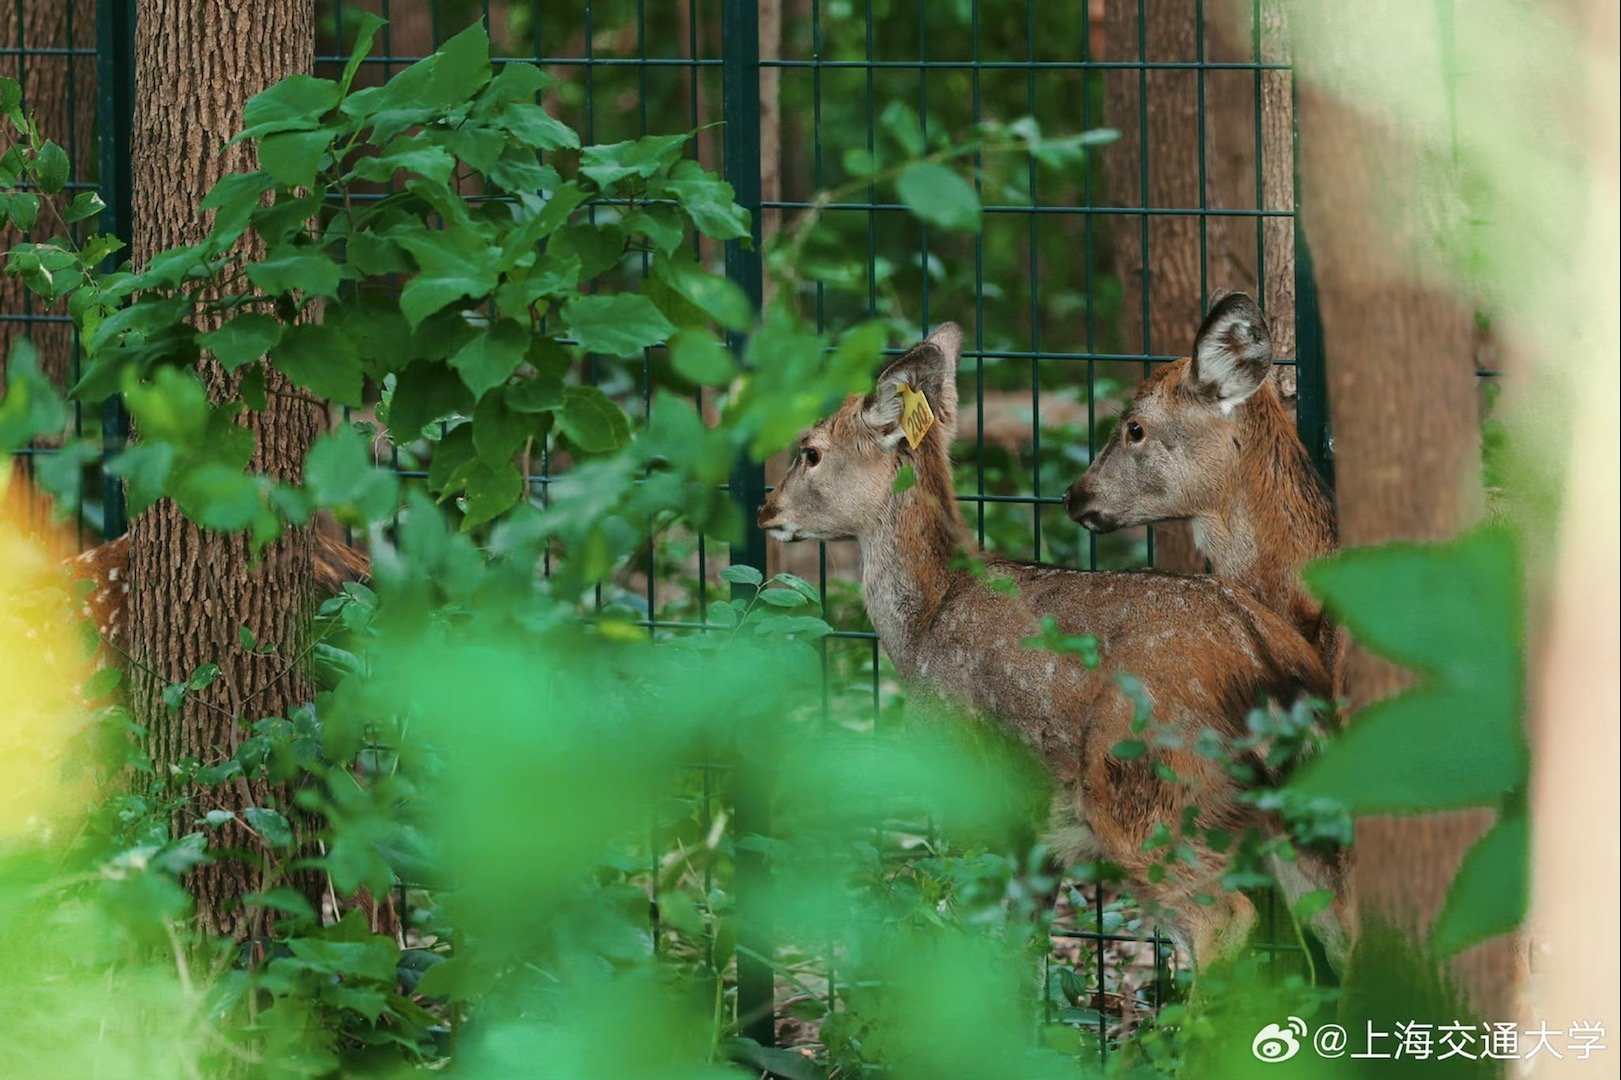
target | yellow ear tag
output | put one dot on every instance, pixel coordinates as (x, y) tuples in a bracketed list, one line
[(916, 416)]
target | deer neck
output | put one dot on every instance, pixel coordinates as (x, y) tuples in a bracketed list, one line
[(1271, 516), (906, 559)]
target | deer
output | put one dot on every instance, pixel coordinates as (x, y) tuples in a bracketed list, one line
[(1207, 440), (106, 567), (1204, 650)]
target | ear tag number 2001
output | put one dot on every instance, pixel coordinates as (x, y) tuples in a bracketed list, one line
[(916, 416)]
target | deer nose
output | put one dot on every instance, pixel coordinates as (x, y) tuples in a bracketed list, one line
[(1075, 499), (767, 512), (1077, 504)]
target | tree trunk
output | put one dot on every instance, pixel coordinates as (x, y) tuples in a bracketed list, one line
[(1260, 263), (196, 67), (59, 89), (1406, 414), (1161, 256)]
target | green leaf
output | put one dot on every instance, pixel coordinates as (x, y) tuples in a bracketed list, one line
[(296, 103), (20, 209), (708, 200), (783, 598), (939, 196), (144, 468), (340, 474), (518, 80), (1460, 730), (498, 431), (51, 168), (619, 325), (290, 270), (491, 490), (412, 153), (742, 574), (453, 264), (322, 360), (370, 23), (425, 391), (85, 205), (490, 358), (1492, 890), (294, 157), (203, 677), (234, 199), (451, 454), (172, 407), (242, 340), (216, 818), (598, 246), (521, 246), (217, 496), (901, 121), (719, 298), (699, 356), (270, 824), (534, 126), (1313, 902), (29, 404), (608, 164), (245, 638), (660, 225), (539, 394), (591, 421), (463, 67)]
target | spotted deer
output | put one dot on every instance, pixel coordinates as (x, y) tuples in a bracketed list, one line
[(106, 566), (1205, 651), (1207, 440)]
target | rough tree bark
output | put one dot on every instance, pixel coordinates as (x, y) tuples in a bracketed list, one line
[(1170, 254), (196, 67), (1161, 107), (1406, 415), (60, 91)]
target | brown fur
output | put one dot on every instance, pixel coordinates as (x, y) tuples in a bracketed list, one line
[(1218, 449), (1204, 650), (1240, 475)]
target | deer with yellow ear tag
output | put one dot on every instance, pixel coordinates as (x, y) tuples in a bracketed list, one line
[(1204, 651)]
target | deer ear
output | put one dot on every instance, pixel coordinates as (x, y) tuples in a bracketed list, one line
[(929, 367), (1231, 353)]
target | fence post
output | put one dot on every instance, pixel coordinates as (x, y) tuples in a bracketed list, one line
[(1311, 372), (740, 93), (115, 110), (1311, 376)]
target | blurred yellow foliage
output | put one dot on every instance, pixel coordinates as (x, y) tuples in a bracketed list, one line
[(43, 665)]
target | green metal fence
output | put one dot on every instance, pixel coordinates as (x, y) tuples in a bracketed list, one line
[(1061, 291)]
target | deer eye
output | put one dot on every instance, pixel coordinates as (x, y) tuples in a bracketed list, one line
[(812, 457), (1134, 431)]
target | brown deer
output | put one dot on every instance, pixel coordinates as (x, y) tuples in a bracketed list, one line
[(1207, 440), (1205, 652)]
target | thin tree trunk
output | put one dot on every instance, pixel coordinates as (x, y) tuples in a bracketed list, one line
[(1402, 389), (59, 89), (1253, 254), (1161, 256), (196, 67)]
